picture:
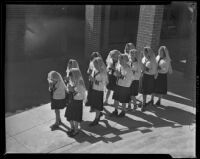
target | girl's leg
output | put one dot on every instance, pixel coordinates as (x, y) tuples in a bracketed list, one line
[(97, 118), (151, 102), (129, 104), (144, 102), (107, 95), (58, 119), (76, 126), (115, 112), (97, 114), (123, 112), (159, 99), (72, 125), (134, 102)]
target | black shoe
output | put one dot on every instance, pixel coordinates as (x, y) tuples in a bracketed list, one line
[(73, 133), (70, 132), (158, 102), (122, 114), (54, 126), (114, 113)]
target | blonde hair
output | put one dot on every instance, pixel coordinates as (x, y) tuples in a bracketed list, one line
[(128, 47), (150, 53), (71, 64), (124, 60), (98, 64), (94, 55), (76, 77), (164, 48), (113, 55), (54, 76)]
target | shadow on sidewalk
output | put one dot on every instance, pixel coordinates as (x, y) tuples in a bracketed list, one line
[(166, 116), (182, 90), (174, 114), (180, 100)]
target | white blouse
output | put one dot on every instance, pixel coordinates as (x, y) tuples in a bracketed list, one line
[(60, 91), (136, 68), (152, 66), (128, 77), (102, 82), (163, 64)]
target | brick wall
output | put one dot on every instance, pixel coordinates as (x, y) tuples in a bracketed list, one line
[(105, 30), (93, 20), (149, 27)]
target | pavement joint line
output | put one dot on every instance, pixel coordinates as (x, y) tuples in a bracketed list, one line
[(31, 128), (86, 138), (63, 146), (21, 143), (89, 137)]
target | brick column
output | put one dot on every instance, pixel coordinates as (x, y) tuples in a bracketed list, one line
[(93, 18), (105, 30), (149, 28)]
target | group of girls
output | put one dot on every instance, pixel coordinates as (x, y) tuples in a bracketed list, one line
[(125, 75)]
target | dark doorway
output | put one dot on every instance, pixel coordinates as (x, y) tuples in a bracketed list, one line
[(123, 25)]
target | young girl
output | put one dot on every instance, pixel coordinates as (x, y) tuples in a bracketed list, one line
[(89, 72), (74, 110), (164, 67), (128, 47), (124, 75), (136, 68), (58, 91), (99, 80), (111, 61), (149, 72), (71, 64)]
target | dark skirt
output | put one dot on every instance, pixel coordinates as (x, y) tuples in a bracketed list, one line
[(58, 103), (74, 111), (122, 94), (161, 84), (89, 97), (134, 88), (147, 84), (96, 100), (112, 82)]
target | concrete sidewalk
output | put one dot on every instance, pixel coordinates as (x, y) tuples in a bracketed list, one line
[(169, 128)]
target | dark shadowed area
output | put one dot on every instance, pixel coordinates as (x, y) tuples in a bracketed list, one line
[(41, 38)]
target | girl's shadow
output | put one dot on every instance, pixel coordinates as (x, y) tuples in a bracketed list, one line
[(174, 114)]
